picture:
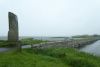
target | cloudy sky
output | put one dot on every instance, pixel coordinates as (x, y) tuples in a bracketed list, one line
[(52, 17)]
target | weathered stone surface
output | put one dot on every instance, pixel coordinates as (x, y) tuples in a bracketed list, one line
[(13, 27)]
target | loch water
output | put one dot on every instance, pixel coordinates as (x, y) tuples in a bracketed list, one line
[(93, 48)]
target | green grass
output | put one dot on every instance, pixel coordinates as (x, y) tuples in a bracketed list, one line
[(26, 41), (53, 57), (29, 41), (4, 43)]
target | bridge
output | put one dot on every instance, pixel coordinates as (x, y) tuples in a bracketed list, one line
[(66, 44)]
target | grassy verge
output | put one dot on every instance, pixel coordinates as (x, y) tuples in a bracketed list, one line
[(27, 41), (6, 43), (58, 57)]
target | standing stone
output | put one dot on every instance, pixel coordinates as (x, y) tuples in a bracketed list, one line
[(13, 35)]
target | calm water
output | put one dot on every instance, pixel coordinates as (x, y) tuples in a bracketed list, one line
[(5, 49), (92, 48)]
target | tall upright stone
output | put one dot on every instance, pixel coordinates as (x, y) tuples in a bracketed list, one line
[(13, 35)]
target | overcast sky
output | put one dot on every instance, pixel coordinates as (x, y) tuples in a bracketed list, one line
[(52, 17)]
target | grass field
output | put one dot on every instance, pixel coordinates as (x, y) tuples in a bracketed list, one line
[(58, 57), (26, 41)]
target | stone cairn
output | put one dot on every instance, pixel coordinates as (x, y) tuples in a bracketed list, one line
[(13, 35)]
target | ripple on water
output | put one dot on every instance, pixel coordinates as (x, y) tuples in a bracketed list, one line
[(92, 48)]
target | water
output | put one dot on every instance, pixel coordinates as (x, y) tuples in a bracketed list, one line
[(92, 48), (5, 49)]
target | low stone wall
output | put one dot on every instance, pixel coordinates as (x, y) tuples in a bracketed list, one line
[(65, 44)]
